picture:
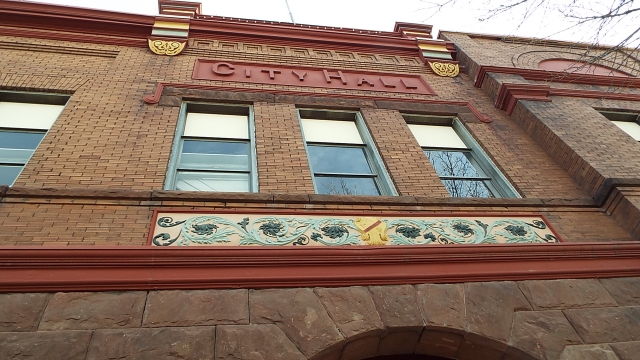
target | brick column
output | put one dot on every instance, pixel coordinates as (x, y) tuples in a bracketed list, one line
[(282, 160), (412, 173)]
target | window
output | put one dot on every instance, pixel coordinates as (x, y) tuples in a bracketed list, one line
[(24, 121), (462, 166), (628, 122), (341, 160), (214, 150)]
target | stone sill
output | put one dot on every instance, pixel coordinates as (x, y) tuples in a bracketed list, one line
[(168, 195)]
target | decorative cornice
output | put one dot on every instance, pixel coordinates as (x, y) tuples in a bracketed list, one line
[(510, 94), (439, 55), (556, 76), (86, 25), (155, 97), (133, 30), (32, 269)]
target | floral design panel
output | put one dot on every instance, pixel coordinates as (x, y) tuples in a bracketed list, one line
[(193, 229)]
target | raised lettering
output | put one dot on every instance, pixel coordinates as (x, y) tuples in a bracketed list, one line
[(339, 76), (247, 73), (301, 77), (216, 69), (407, 85), (364, 80), (272, 73), (386, 84)]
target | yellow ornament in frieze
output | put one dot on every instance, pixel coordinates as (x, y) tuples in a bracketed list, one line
[(445, 69), (373, 230), (166, 47)]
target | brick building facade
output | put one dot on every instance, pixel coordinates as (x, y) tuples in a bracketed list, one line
[(511, 234)]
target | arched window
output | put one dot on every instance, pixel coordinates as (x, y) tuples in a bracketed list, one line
[(572, 66)]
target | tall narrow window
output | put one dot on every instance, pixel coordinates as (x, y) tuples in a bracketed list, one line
[(462, 166), (24, 121), (340, 155), (214, 150), (627, 122)]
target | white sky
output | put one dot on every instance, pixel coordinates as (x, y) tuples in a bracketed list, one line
[(363, 14)]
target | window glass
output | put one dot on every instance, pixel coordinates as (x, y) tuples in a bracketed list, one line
[(338, 159), (340, 185), (215, 155), (437, 136), (9, 173), (28, 116), (22, 127), (452, 163), (217, 126), (631, 128), (213, 151), (212, 181), (20, 140), (341, 157), (466, 172), (467, 188), (331, 131)]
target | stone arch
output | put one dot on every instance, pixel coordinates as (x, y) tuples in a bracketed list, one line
[(453, 321), (531, 59), (426, 344)]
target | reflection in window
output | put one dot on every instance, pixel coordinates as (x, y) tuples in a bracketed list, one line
[(341, 162), (463, 168)]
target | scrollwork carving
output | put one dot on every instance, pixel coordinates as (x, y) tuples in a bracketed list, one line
[(445, 69), (166, 47)]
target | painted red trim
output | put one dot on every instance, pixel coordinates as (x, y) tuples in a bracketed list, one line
[(93, 39), (510, 94), (28, 15), (154, 98), (340, 212), (31, 269), (202, 70), (304, 35), (557, 76), (90, 22), (594, 94)]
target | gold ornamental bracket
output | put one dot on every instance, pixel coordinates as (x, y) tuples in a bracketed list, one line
[(444, 69), (440, 55), (166, 47), (170, 32)]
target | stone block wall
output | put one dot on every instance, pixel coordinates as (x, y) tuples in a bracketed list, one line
[(526, 320)]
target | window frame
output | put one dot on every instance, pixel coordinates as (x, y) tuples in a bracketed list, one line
[(37, 98), (622, 116), (379, 173), (179, 138), (488, 172)]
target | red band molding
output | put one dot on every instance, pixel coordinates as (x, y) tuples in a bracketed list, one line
[(155, 97), (29, 269)]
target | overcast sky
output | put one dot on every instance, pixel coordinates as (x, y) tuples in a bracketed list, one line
[(362, 14)]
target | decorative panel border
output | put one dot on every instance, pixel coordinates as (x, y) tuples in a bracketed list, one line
[(309, 229)]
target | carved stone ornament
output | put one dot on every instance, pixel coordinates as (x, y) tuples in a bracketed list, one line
[(166, 47), (445, 69)]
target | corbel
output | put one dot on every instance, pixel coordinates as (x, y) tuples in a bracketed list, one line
[(170, 32)]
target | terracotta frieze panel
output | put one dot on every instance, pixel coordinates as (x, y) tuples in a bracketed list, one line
[(303, 230), (310, 76)]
